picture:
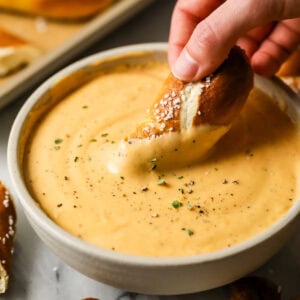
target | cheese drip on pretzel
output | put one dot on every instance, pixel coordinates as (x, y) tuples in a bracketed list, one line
[(187, 119)]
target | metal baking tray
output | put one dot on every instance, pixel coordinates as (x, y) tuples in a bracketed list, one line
[(64, 41)]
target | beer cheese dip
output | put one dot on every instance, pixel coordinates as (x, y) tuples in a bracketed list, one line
[(248, 182)]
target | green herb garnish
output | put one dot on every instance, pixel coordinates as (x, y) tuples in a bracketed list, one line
[(104, 134), (76, 158), (180, 177), (93, 140), (58, 141), (181, 190), (176, 204), (84, 106), (188, 231), (161, 182), (122, 177)]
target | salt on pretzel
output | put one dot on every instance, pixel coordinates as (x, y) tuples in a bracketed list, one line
[(15, 52), (7, 233)]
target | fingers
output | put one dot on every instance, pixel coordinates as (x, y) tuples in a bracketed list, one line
[(212, 39), (187, 14), (277, 47)]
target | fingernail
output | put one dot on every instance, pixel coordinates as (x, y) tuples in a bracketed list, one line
[(185, 67)]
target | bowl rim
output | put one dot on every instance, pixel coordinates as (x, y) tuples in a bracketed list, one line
[(34, 212)]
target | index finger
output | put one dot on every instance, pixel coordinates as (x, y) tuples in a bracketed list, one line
[(187, 14)]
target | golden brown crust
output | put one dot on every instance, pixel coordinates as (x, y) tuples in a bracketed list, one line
[(290, 71), (221, 97), (15, 53), (292, 66), (59, 9), (229, 88), (293, 82), (9, 40), (7, 233)]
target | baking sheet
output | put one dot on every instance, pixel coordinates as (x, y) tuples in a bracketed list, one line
[(60, 42)]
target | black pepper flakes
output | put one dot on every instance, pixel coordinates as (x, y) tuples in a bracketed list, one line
[(144, 188)]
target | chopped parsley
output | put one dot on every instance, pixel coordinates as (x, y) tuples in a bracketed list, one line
[(188, 231), (58, 141), (180, 177), (176, 204), (104, 134), (76, 158), (161, 182), (93, 140), (122, 177), (181, 190), (85, 106)]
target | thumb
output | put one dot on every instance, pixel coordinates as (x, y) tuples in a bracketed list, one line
[(213, 37)]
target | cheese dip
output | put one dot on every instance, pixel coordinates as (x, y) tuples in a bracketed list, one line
[(249, 181)]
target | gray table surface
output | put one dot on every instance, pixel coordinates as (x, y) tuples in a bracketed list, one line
[(39, 274)]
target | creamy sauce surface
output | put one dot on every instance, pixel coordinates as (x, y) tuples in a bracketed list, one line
[(249, 181)]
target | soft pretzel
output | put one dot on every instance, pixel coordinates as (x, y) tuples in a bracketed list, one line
[(215, 100), (7, 233), (290, 71), (59, 9), (15, 52)]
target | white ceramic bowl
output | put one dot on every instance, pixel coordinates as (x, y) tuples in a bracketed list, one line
[(135, 273)]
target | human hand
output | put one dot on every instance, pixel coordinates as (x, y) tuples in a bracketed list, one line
[(203, 32)]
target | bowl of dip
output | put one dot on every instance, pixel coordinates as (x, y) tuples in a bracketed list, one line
[(185, 230)]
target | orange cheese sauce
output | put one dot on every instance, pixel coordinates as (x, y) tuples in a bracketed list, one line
[(249, 181)]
